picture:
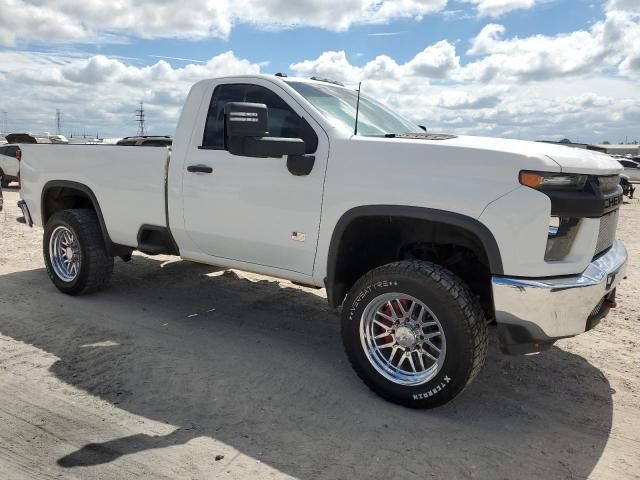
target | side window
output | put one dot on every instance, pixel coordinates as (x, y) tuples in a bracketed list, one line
[(283, 121), (214, 128)]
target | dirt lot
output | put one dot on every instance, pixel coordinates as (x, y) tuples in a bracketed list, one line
[(182, 371)]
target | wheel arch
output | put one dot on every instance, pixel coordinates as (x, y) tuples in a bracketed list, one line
[(62, 194), (337, 288)]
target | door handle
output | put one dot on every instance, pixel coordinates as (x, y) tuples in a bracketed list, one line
[(199, 169)]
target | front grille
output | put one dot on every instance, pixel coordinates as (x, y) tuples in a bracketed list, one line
[(607, 233)]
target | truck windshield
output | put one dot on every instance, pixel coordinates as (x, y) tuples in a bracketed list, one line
[(338, 104)]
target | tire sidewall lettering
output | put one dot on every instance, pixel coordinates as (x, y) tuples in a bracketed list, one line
[(433, 391), (366, 291), (440, 382)]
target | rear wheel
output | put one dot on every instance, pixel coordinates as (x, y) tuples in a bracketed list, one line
[(75, 255), (414, 333)]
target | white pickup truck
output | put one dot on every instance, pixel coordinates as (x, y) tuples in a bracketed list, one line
[(9, 164), (422, 239)]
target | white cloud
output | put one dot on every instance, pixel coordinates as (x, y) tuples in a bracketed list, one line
[(531, 87), (606, 44), (631, 65), (611, 43), (84, 21), (100, 93), (436, 61), (330, 14), (332, 65), (459, 99), (626, 5), (496, 8), (81, 20), (486, 40), (19, 19), (581, 85)]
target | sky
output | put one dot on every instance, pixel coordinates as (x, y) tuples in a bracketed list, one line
[(529, 69)]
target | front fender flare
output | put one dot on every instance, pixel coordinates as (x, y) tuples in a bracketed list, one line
[(471, 224)]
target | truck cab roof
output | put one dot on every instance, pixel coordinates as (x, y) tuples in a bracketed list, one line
[(281, 78)]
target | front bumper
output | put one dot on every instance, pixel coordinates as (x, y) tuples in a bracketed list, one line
[(532, 313)]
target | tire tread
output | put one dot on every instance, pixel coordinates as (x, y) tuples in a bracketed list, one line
[(469, 306), (97, 261)]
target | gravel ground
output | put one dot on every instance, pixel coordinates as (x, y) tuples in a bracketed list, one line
[(183, 371)]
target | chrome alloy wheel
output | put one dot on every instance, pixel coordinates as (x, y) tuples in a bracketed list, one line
[(402, 339), (64, 253)]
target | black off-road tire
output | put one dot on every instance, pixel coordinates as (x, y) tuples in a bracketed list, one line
[(96, 265), (458, 311), (4, 181)]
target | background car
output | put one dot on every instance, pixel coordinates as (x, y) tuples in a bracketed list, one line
[(631, 169), (9, 164), (146, 141), (628, 188)]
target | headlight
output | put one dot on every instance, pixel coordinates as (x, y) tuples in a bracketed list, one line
[(552, 181)]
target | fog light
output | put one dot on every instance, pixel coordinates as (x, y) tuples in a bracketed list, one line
[(562, 233)]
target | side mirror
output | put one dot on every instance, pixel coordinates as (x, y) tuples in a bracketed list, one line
[(246, 130), (246, 119)]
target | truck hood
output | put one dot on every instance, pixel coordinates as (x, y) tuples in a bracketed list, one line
[(570, 160)]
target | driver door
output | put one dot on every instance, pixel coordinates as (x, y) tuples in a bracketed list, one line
[(248, 209)]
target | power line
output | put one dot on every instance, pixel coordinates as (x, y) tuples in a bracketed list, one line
[(58, 122), (140, 119)]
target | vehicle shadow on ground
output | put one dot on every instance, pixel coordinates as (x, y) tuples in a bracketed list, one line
[(259, 366)]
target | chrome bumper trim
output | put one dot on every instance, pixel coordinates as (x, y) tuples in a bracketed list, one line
[(558, 307)]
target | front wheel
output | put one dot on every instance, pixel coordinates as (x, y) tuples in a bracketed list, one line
[(75, 255), (414, 333)]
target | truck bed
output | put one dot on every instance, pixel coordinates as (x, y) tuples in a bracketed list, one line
[(128, 182)]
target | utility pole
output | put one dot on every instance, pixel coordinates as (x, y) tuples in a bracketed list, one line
[(140, 119), (58, 121), (5, 129)]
